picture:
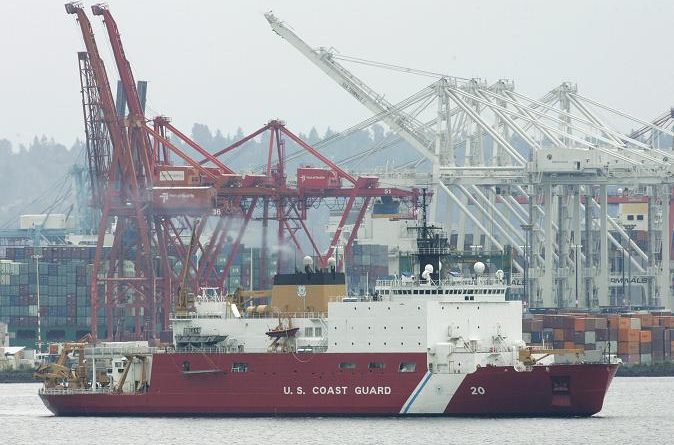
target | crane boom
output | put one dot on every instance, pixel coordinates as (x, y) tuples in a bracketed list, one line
[(123, 65), (107, 101), (140, 141), (398, 120)]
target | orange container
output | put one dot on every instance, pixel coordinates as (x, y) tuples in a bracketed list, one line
[(569, 345), (624, 323), (634, 335), (623, 347), (645, 336), (623, 335), (558, 334), (579, 324)]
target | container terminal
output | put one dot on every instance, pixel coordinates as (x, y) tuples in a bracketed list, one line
[(576, 212)]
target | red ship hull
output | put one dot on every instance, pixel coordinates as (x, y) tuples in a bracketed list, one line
[(314, 384)]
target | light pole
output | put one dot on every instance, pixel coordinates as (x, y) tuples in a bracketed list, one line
[(37, 282), (628, 228), (527, 229)]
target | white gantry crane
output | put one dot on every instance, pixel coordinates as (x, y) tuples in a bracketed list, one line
[(534, 174)]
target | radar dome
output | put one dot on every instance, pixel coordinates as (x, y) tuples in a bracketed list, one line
[(479, 268), (308, 261), (332, 261), (428, 268)]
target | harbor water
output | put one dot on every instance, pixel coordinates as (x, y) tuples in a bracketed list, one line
[(636, 410)]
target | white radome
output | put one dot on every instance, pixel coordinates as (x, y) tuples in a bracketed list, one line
[(479, 268)]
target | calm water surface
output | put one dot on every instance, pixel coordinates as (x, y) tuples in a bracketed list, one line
[(636, 411)]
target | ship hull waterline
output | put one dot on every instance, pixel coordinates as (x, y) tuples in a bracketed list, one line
[(317, 385)]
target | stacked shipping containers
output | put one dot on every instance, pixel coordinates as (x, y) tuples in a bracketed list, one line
[(65, 280), (636, 337)]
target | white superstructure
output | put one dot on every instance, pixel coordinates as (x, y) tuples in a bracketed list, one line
[(461, 323)]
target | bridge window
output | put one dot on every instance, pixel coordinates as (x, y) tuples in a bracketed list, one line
[(239, 367), (186, 366), (318, 332), (376, 365)]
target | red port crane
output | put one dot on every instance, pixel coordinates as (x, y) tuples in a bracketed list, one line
[(155, 190)]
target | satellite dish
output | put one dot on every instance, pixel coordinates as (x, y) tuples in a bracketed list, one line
[(500, 275), (428, 268), (479, 268)]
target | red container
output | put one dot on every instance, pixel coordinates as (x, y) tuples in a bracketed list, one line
[(312, 178)]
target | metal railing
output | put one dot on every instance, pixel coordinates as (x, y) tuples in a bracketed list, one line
[(68, 391), (447, 282), (116, 351)]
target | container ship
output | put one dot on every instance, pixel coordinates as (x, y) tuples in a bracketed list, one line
[(429, 344)]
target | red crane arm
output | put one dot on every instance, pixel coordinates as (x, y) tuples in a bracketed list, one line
[(123, 65), (104, 92)]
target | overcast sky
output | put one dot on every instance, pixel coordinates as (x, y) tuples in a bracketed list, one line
[(219, 63)]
